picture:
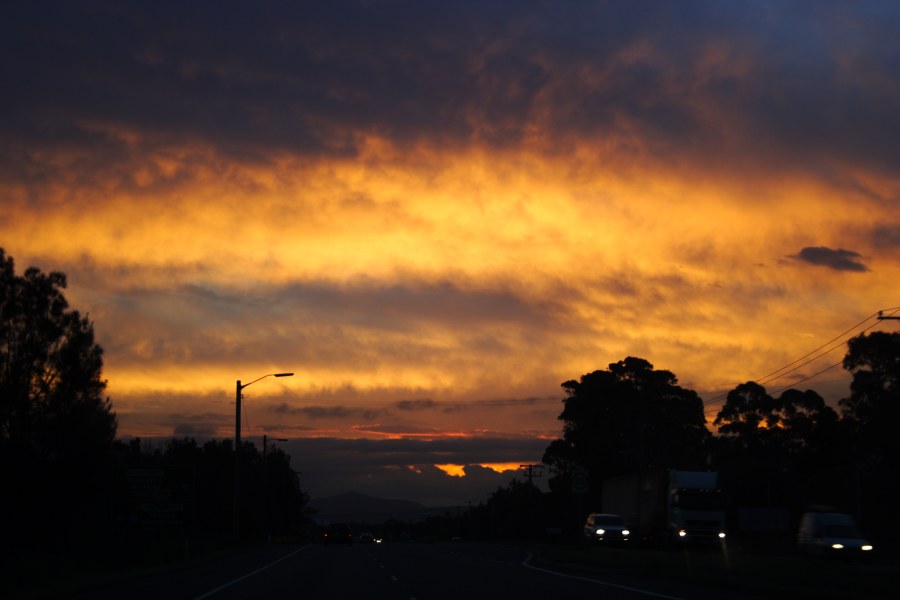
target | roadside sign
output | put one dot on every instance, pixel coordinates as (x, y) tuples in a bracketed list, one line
[(580, 480)]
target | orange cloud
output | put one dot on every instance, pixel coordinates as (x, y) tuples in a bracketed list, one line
[(460, 470)]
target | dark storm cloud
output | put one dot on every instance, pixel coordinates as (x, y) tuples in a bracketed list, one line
[(404, 430), (413, 451), (395, 306), (195, 430), (800, 81), (404, 468), (324, 412), (839, 260), (426, 484), (411, 405), (204, 425), (389, 418), (887, 236), (203, 313)]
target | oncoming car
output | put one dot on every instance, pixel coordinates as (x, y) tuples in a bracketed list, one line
[(366, 537), (605, 528)]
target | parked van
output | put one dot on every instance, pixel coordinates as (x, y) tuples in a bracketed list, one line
[(829, 533)]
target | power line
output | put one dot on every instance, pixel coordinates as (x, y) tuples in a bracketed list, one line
[(819, 348), (787, 370), (840, 344), (825, 370)]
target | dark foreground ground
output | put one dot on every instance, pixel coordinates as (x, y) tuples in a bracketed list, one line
[(726, 573), (769, 575)]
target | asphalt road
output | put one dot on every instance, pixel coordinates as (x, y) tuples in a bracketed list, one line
[(387, 571)]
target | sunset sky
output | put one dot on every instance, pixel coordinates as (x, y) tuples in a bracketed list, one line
[(435, 213)]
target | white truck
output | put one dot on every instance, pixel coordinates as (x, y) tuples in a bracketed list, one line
[(685, 506)]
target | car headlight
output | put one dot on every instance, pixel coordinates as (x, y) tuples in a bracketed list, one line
[(837, 546), (600, 532), (682, 533), (867, 547), (721, 535), (626, 532)]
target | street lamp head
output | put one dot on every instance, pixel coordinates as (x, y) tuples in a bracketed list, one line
[(243, 385)]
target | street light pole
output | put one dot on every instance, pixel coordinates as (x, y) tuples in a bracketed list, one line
[(236, 523)]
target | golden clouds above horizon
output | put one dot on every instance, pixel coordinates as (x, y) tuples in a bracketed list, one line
[(472, 213), (454, 273)]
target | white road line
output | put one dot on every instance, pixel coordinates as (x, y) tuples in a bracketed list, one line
[(259, 570), (597, 581)]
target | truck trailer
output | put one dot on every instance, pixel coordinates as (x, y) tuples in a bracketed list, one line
[(672, 505)]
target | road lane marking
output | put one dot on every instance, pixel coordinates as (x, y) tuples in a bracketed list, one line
[(597, 581), (259, 570)]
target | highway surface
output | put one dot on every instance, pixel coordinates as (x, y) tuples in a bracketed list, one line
[(401, 571)]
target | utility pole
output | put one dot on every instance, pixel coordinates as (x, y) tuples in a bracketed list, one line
[(532, 472), (236, 508)]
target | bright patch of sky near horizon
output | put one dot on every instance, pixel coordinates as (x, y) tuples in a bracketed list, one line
[(435, 220)]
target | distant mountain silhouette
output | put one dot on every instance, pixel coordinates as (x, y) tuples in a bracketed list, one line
[(355, 508)]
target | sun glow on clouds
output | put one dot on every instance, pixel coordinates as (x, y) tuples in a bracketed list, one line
[(471, 214), (460, 470)]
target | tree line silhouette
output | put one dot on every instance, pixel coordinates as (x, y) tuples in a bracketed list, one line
[(73, 489), (778, 456), (782, 454), (182, 493)]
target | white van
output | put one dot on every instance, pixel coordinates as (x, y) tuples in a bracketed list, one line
[(828, 533)]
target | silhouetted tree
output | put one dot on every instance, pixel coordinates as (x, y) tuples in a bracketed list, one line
[(777, 451), (626, 419), (512, 512), (793, 421), (872, 413), (873, 408), (51, 390), (285, 500), (56, 427)]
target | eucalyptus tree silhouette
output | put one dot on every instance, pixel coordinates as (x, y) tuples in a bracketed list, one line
[(56, 426), (872, 413), (627, 419), (778, 451), (873, 407)]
